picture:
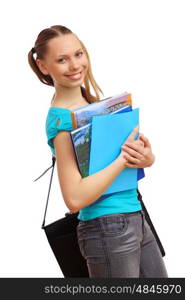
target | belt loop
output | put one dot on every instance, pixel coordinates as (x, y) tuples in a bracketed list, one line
[(142, 212)]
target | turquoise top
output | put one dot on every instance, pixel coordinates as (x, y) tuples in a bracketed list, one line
[(52, 125), (120, 202)]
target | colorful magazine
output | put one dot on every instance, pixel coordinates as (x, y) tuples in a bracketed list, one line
[(81, 137), (83, 115)]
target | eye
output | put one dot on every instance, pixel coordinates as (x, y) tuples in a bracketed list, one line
[(80, 52), (61, 59)]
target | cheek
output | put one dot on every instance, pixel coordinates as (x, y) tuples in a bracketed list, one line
[(60, 70), (85, 62)]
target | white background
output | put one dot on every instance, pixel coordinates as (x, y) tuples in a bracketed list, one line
[(134, 46)]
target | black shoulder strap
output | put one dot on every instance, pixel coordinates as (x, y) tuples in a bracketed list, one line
[(53, 163), (149, 221), (52, 166)]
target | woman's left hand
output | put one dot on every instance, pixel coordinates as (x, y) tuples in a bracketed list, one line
[(139, 153)]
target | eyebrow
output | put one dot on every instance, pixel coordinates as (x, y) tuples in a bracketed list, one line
[(66, 54)]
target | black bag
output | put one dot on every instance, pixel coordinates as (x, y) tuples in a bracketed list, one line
[(62, 237)]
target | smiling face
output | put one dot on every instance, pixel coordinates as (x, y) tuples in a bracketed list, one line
[(66, 61)]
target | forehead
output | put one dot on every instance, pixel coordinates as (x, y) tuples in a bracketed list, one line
[(64, 44)]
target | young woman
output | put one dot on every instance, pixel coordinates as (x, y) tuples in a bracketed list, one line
[(113, 234)]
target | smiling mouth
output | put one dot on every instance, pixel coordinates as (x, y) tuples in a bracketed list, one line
[(74, 74)]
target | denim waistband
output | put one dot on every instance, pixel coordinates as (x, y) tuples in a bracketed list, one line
[(111, 217)]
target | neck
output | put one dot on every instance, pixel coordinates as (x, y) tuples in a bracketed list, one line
[(67, 96)]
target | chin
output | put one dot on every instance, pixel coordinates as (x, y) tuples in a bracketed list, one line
[(74, 84)]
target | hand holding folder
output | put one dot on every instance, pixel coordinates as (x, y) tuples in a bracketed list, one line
[(109, 133)]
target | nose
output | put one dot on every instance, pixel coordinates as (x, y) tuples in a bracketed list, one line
[(74, 65)]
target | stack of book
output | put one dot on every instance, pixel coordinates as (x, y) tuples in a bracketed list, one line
[(94, 126)]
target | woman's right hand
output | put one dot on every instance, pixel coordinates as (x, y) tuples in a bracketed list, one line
[(129, 139)]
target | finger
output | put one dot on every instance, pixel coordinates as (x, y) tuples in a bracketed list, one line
[(133, 134), (140, 143), (131, 159), (129, 165), (136, 142), (140, 140), (134, 150), (145, 140)]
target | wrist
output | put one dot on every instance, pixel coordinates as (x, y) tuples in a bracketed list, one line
[(121, 161)]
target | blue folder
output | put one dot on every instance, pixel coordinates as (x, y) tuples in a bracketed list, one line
[(140, 171), (109, 133)]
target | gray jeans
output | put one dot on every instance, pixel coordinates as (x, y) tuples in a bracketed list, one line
[(120, 245)]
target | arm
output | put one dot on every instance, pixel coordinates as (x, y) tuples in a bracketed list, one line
[(92, 187), (79, 192)]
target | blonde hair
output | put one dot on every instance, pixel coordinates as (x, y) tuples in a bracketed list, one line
[(40, 48)]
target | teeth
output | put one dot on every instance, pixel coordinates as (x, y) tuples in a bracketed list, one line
[(75, 76)]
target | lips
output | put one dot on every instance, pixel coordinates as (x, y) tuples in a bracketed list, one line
[(75, 76)]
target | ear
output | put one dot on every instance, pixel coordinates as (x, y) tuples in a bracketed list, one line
[(41, 66)]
